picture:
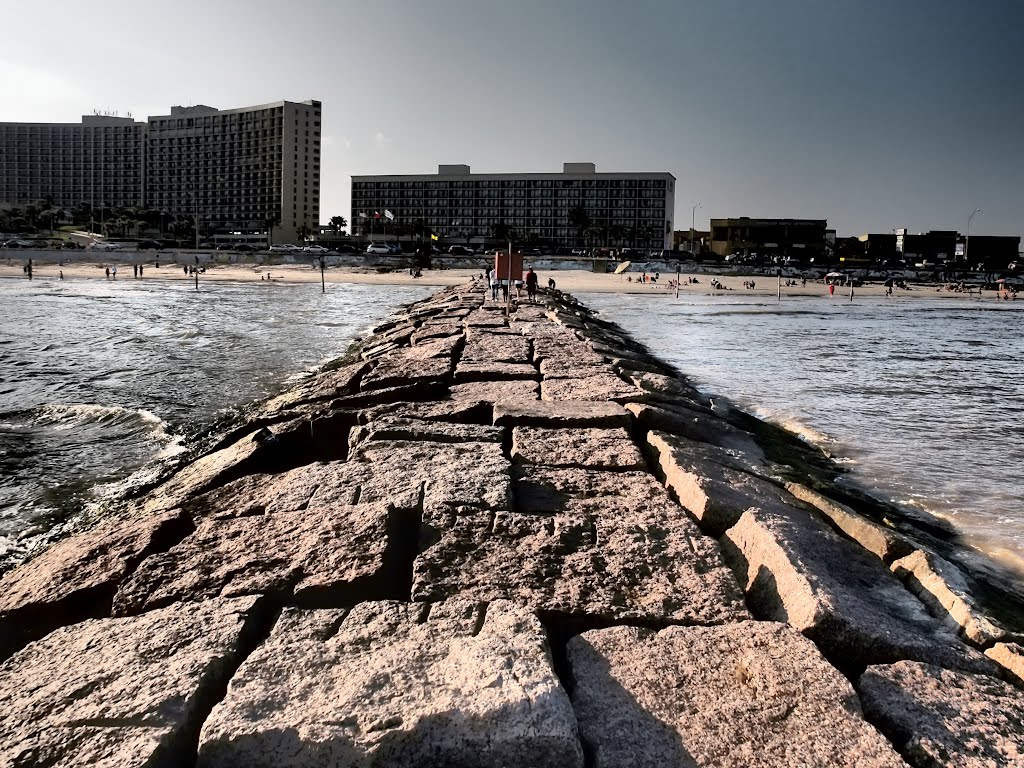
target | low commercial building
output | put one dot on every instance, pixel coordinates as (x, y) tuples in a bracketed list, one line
[(576, 207), (802, 239)]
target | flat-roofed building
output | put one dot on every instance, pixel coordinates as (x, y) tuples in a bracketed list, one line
[(98, 161), (575, 207), (233, 170), (798, 238)]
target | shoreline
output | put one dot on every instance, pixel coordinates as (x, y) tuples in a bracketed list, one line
[(571, 281)]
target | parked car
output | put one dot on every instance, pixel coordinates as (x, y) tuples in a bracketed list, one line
[(346, 248), (18, 244), (105, 246), (378, 248), (316, 249), (246, 248), (458, 250), (146, 245), (284, 248)]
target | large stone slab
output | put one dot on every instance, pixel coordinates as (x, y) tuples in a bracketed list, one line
[(886, 544), (386, 686), (494, 371), (938, 717), (695, 424), (331, 555), (122, 692), (266, 493), (746, 694), (716, 495), (1010, 656), (544, 491), (594, 387), (473, 475), (944, 589), (561, 415), (796, 570), (583, 448), (484, 347), (249, 454), (402, 369), (669, 387), (496, 391), (76, 578), (398, 428), (321, 386), (647, 566), (436, 329)]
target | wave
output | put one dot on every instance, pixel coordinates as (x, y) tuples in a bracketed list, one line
[(72, 416)]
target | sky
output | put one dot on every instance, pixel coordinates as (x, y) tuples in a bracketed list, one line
[(873, 114)]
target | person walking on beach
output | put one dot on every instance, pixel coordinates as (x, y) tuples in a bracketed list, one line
[(494, 284), (135, 270), (531, 285), (113, 272), (107, 271)]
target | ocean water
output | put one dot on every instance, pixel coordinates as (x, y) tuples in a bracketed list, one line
[(922, 399), (99, 379)]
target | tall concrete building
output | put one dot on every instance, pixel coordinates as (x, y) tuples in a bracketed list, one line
[(621, 208), (233, 170)]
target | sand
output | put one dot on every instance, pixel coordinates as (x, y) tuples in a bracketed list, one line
[(573, 281)]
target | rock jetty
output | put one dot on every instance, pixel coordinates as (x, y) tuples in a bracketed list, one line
[(504, 535)]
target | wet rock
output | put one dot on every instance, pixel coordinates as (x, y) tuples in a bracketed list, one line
[(1010, 656), (377, 350), (496, 391), (333, 553), (76, 578), (467, 372), (583, 448), (886, 544), (644, 565), (714, 494), (123, 692), (745, 694), (387, 685), (561, 415), (796, 570), (943, 588), (936, 716)]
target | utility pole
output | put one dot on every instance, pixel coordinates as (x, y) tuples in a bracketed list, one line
[(693, 214)]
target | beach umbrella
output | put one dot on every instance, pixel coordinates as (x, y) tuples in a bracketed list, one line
[(831, 275), (890, 282), (623, 267)]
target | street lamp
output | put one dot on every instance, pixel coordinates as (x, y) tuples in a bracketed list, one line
[(693, 213), (967, 243)]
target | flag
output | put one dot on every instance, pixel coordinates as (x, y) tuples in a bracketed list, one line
[(376, 214), (433, 237), (389, 215)]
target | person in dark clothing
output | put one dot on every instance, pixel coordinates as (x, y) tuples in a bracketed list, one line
[(531, 285)]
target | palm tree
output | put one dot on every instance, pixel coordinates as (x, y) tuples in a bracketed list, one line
[(580, 219), (303, 233), (337, 224), (269, 223)]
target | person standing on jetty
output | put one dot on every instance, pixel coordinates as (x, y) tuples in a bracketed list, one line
[(494, 284), (531, 285)]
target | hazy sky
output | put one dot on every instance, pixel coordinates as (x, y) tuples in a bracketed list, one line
[(873, 114)]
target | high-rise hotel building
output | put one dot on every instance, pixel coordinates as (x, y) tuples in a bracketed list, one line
[(234, 169), (626, 208)]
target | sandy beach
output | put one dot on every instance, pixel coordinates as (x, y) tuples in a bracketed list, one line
[(572, 281)]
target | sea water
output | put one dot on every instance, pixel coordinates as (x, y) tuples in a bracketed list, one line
[(100, 378), (922, 399)]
